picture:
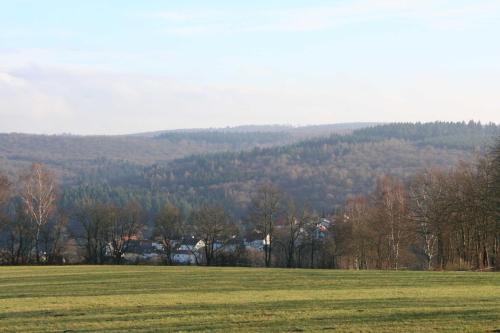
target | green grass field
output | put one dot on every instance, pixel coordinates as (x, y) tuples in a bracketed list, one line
[(183, 299)]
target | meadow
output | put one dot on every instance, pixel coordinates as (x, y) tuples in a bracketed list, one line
[(186, 299)]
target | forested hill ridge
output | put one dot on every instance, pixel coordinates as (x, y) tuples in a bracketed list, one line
[(297, 131), (72, 155), (322, 172)]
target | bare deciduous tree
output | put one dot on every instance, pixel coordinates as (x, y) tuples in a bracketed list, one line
[(52, 236), (168, 226), (95, 219), (429, 208), (38, 195), (264, 210), (393, 207), (288, 235), (357, 216), (125, 224), (19, 240), (213, 227)]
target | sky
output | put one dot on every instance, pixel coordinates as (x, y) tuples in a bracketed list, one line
[(125, 66)]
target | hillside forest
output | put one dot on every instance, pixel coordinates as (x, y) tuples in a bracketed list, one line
[(417, 196)]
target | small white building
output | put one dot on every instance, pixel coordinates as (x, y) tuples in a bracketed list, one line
[(191, 245)]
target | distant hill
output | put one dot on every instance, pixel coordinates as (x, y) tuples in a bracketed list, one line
[(310, 130), (72, 155), (322, 172)]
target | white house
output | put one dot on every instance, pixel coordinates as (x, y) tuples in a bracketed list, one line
[(191, 245)]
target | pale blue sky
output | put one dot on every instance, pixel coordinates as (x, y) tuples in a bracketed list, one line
[(122, 66)]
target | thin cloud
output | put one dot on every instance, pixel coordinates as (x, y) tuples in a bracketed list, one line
[(435, 14)]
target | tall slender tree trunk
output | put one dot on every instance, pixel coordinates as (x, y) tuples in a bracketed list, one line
[(37, 244), (312, 255), (268, 255)]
